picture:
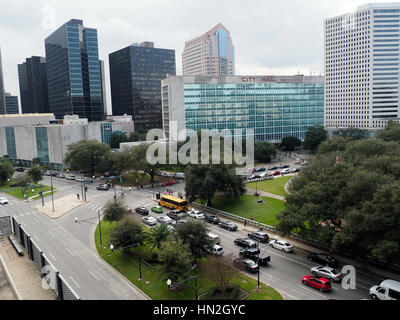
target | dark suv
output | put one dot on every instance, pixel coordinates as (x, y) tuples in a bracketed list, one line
[(258, 236), (324, 259), (245, 243), (255, 255), (212, 219), (228, 225), (142, 211)]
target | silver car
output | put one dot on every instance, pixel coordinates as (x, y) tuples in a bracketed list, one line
[(150, 221), (281, 245), (328, 273)]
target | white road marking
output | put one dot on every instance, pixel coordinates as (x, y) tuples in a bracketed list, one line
[(303, 287), (94, 275), (74, 282), (51, 235), (69, 251), (52, 256), (36, 220)]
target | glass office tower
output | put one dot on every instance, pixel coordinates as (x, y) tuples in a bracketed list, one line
[(2, 92), (136, 73), (12, 105), (73, 72)]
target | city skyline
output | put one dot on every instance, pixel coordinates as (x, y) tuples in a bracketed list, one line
[(296, 46)]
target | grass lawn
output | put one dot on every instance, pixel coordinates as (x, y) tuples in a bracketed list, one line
[(156, 288), (17, 192), (275, 186), (247, 207)]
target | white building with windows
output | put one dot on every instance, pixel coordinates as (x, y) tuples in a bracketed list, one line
[(362, 67)]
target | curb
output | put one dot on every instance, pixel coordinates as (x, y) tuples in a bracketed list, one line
[(10, 280)]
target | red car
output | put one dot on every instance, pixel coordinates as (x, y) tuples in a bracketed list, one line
[(322, 284), (169, 183), (276, 173)]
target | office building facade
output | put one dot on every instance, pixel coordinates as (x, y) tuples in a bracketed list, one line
[(2, 91), (32, 76), (211, 54), (362, 67), (73, 72), (273, 106), (136, 73), (103, 87), (12, 105)]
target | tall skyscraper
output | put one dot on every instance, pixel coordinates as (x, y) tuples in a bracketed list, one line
[(12, 105), (2, 92), (33, 85), (136, 73), (362, 67), (73, 72), (103, 87), (211, 54)]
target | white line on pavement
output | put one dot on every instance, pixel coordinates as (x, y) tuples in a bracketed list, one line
[(52, 256), (312, 291), (51, 235), (74, 281), (69, 251), (94, 275), (36, 220)]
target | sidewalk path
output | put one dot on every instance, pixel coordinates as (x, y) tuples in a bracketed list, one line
[(23, 274), (61, 206), (265, 194)]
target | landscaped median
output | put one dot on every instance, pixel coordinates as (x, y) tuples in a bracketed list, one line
[(154, 284), (19, 192)]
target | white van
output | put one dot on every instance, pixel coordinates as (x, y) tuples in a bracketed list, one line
[(218, 250), (179, 175), (215, 239), (387, 290)]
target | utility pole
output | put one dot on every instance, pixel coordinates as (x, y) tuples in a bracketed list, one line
[(41, 193), (98, 212), (52, 197)]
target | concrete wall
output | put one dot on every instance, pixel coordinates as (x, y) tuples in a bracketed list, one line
[(25, 143), (25, 119), (3, 142)]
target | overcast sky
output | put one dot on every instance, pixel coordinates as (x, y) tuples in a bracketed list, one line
[(271, 37)]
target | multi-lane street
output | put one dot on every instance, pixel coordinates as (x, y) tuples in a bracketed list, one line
[(70, 248)]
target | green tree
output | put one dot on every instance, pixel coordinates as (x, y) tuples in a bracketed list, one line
[(118, 138), (314, 137), (391, 132), (264, 151), (127, 234), (35, 174), (114, 210), (6, 170), (290, 143), (138, 161), (176, 259), (354, 133), (88, 155), (158, 235), (36, 162)]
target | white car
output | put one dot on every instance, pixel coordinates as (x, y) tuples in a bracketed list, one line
[(79, 179), (150, 221), (285, 171), (281, 245), (217, 250), (327, 273), (70, 177), (3, 201), (165, 219), (196, 214), (265, 174)]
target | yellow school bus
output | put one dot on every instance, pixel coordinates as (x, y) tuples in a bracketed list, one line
[(173, 203)]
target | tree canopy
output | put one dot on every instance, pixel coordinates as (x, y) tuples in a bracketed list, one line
[(35, 174), (264, 151), (314, 137), (290, 143), (6, 170)]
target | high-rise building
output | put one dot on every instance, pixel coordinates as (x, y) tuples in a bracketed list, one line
[(33, 85), (210, 54), (73, 72), (136, 73), (12, 105), (2, 92), (274, 107), (103, 87), (362, 67)]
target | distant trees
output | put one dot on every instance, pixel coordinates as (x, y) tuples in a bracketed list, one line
[(391, 132), (6, 170), (35, 174), (264, 151), (314, 137), (290, 143), (127, 234), (114, 210)]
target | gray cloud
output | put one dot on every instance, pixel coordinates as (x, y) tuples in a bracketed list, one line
[(270, 36)]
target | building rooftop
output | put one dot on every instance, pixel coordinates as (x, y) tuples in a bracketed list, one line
[(379, 5)]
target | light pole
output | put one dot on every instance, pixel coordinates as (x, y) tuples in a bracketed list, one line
[(171, 286), (101, 242), (52, 197)]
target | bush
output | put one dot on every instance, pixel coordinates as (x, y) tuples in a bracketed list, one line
[(231, 293)]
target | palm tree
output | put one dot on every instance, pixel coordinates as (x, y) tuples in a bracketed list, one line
[(114, 210), (158, 235)]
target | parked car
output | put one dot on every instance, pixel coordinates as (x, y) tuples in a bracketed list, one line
[(285, 171), (214, 238), (255, 176), (20, 169), (273, 168), (150, 221), (260, 169), (276, 173), (294, 170), (174, 214), (281, 245), (80, 179), (259, 236), (169, 183), (143, 211), (323, 259), (265, 174), (165, 219), (387, 290), (228, 225), (103, 187), (179, 175), (47, 173), (88, 180), (157, 209), (70, 177), (54, 174), (328, 273), (196, 214), (217, 250), (322, 284), (245, 243), (284, 166), (246, 264), (254, 254), (3, 201), (177, 223), (60, 175), (211, 218)]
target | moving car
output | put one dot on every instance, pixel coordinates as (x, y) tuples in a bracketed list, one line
[(245, 243), (47, 173), (228, 225), (281, 245), (157, 209), (88, 181), (165, 219), (196, 214), (20, 169), (177, 223), (60, 175), (211, 218), (246, 264), (255, 255), (79, 179), (3, 201), (323, 259), (259, 236), (150, 221), (104, 187), (276, 173), (70, 177), (327, 273), (143, 211), (179, 175), (169, 183), (322, 284), (217, 250), (387, 290), (175, 214)]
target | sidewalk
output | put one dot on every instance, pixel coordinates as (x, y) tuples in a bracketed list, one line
[(23, 274), (265, 194), (61, 206), (6, 292)]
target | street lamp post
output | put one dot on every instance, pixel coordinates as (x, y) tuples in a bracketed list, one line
[(170, 285), (98, 212), (52, 197), (41, 192)]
